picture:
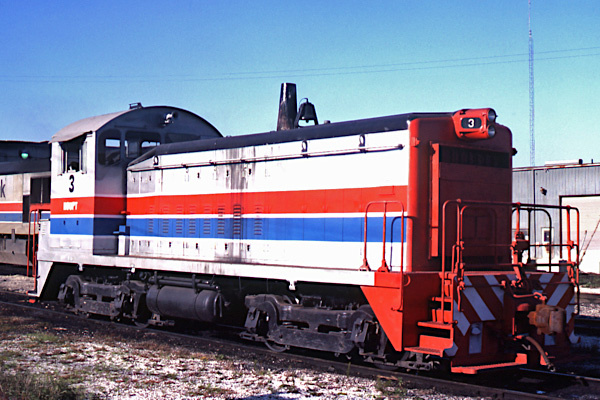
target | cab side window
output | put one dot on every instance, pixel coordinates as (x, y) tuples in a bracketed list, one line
[(109, 148), (73, 155)]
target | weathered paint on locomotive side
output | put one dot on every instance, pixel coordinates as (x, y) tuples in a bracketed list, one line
[(72, 202), (300, 203), (15, 193), (11, 198), (12, 249)]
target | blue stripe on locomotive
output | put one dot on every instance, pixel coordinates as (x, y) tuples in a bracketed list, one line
[(309, 229), (11, 217), (84, 226), (18, 217)]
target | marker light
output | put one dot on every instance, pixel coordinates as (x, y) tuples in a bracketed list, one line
[(476, 124), (24, 155)]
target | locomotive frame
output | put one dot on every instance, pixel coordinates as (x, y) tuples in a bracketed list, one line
[(281, 233)]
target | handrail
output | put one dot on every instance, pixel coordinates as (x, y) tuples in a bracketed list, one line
[(570, 244), (518, 245), (36, 211), (384, 266), (520, 241), (31, 240), (455, 255), (573, 272)]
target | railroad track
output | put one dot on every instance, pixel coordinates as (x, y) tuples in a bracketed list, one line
[(562, 385), (590, 298), (588, 326), (523, 384)]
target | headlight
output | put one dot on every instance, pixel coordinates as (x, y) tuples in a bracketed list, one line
[(491, 131), (492, 116)]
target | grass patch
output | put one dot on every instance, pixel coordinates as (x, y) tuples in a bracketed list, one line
[(152, 345), (589, 280), (23, 385), (45, 338), (8, 355), (9, 324), (286, 387), (390, 388), (260, 371), (210, 390)]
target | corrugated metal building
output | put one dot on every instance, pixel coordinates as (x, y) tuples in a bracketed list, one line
[(574, 184)]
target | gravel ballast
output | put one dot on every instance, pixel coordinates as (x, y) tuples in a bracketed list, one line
[(104, 364)]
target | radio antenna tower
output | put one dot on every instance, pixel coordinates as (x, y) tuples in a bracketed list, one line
[(531, 107)]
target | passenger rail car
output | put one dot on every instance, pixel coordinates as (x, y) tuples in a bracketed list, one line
[(24, 194), (386, 238)]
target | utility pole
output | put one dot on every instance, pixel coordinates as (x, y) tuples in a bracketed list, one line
[(531, 97)]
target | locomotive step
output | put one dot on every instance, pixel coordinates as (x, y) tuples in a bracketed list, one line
[(438, 315), (435, 342), (475, 369), (426, 350), (447, 299), (435, 325)]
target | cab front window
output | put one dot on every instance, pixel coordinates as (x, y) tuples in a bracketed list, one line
[(138, 143)]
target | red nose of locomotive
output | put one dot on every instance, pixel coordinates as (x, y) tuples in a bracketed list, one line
[(475, 124)]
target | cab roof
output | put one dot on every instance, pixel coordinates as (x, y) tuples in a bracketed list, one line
[(139, 118), (85, 125)]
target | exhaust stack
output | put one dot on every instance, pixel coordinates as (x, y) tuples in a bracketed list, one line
[(287, 107)]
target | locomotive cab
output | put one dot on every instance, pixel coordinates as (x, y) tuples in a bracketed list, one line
[(89, 160)]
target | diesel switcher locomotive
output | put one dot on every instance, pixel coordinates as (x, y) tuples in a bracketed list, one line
[(388, 239)]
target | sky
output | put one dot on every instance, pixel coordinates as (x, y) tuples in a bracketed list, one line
[(62, 61)]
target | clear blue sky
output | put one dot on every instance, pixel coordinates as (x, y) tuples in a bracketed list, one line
[(66, 60)]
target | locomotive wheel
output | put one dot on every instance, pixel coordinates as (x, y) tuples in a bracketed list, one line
[(143, 318), (374, 346), (69, 293), (276, 347), (361, 319), (141, 323), (268, 325)]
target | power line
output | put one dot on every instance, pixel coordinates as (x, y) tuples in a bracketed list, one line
[(450, 60), (310, 72)]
